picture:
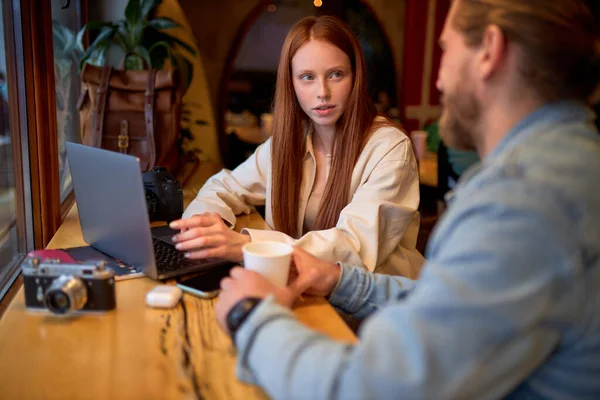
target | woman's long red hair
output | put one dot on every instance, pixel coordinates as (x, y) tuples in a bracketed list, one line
[(290, 123)]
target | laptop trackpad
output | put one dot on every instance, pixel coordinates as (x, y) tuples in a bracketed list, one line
[(164, 233)]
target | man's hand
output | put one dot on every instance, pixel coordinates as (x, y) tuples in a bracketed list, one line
[(206, 235), (243, 283), (318, 276)]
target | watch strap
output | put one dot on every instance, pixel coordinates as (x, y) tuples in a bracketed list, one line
[(239, 313)]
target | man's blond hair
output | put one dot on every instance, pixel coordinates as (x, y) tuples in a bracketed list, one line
[(560, 41)]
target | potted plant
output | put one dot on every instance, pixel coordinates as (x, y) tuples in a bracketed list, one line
[(143, 41)]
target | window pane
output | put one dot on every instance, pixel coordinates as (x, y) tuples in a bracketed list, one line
[(9, 238), (65, 24)]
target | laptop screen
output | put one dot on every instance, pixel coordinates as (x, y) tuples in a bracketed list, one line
[(110, 197)]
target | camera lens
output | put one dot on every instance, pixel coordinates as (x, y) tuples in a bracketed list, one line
[(65, 295), (59, 301)]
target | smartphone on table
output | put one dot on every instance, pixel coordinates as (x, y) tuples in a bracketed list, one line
[(206, 284)]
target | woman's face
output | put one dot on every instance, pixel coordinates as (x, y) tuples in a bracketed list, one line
[(322, 78)]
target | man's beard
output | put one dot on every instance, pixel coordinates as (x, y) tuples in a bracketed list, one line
[(460, 117)]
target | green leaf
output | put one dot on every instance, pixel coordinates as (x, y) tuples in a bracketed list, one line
[(163, 23), (70, 40), (98, 58), (172, 39), (103, 40), (160, 44), (134, 61), (79, 40), (60, 38), (95, 57), (125, 39), (91, 26), (121, 40), (143, 53), (82, 62), (137, 32), (96, 25), (133, 12), (147, 6), (159, 53)]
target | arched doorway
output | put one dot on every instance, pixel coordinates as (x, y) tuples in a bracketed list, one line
[(248, 81)]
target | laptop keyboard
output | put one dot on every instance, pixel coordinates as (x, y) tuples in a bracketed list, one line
[(170, 259)]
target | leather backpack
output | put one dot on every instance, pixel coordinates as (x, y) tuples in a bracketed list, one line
[(132, 112)]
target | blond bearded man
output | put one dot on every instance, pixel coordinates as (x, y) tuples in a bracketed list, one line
[(508, 303)]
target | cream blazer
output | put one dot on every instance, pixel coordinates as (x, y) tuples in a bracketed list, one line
[(377, 229)]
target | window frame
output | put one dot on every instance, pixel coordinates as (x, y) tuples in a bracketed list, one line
[(41, 118), (15, 55), (32, 119)]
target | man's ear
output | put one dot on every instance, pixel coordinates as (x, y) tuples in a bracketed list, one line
[(492, 52)]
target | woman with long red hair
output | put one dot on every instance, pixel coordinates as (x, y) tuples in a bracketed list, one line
[(337, 180)]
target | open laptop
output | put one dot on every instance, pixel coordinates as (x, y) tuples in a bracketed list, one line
[(110, 196)]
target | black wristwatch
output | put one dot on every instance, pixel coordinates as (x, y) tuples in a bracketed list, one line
[(239, 313)]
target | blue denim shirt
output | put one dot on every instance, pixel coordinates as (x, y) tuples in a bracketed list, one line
[(507, 305)]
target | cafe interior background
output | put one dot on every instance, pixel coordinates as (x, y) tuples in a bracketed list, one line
[(231, 67)]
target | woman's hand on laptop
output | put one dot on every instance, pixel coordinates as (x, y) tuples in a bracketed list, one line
[(207, 236)]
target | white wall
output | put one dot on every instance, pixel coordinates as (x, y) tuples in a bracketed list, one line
[(107, 10)]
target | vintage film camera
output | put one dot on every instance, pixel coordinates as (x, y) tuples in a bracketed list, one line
[(64, 288), (164, 195)]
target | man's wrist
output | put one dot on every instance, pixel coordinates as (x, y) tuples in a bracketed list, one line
[(334, 279), (240, 313)]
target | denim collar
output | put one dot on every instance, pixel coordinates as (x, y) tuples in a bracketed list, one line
[(548, 114)]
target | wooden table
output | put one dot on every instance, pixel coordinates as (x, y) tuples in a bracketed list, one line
[(133, 352)]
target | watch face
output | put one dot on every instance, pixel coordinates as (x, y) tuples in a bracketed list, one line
[(238, 314)]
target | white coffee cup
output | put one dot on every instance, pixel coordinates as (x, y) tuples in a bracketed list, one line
[(270, 259)]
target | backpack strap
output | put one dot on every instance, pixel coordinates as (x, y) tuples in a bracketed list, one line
[(98, 113)]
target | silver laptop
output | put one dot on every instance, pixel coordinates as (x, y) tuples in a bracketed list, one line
[(110, 196)]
